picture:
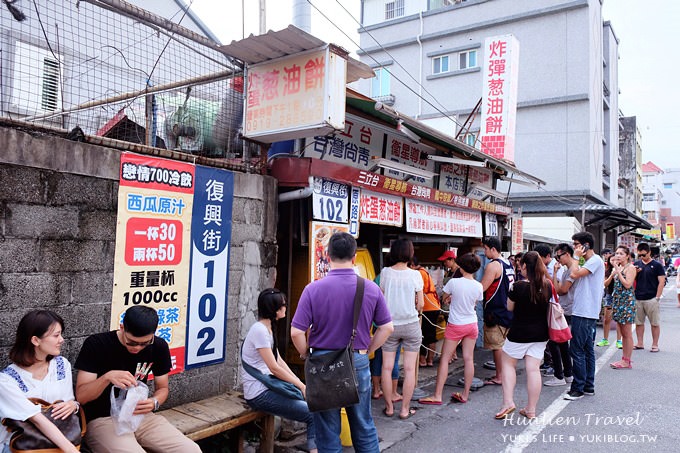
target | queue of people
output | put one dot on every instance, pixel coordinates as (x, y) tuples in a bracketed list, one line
[(515, 301)]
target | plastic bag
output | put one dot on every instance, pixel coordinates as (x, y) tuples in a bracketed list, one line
[(124, 405)]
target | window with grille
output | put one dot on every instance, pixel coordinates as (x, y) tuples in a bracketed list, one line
[(394, 9), (36, 80), (50, 85)]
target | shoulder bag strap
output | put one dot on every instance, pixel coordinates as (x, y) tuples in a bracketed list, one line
[(251, 370), (358, 300)]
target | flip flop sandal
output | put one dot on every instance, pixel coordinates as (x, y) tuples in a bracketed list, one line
[(529, 415), (504, 413), (654, 350), (411, 412), (384, 411), (458, 398), (492, 382), (429, 401), (638, 347)]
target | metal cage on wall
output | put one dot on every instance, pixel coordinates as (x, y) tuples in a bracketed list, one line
[(110, 69)]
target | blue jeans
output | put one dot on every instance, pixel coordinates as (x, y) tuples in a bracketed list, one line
[(361, 426), (274, 403), (582, 351), (376, 364)]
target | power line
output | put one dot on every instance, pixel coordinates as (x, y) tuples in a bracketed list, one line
[(391, 56), (445, 115)]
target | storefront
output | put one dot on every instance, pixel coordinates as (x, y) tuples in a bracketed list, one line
[(380, 183)]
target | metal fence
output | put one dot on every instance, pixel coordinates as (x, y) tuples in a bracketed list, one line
[(117, 71)]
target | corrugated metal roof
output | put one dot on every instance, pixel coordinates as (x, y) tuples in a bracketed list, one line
[(596, 213), (289, 41)]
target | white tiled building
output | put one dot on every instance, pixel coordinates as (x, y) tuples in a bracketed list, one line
[(428, 55)]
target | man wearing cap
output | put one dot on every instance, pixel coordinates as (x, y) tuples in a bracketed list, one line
[(451, 270)]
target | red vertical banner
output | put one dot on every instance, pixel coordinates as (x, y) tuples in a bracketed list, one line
[(517, 235), (152, 255), (499, 96)]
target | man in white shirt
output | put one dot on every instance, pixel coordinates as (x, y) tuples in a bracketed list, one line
[(585, 313)]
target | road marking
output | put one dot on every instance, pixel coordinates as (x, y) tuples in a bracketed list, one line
[(525, 439)]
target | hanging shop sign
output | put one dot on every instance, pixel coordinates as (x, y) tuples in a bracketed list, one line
[(490, 224), (452, 179), (517, 235), (432, 219), (412, 154), (627, 239), (670, 230), (381, 209), (499, 96), (330, 200), (354, 209), (358, 145), (301, 168), (320, 233), (296, 96), (168, 213), (651, 234)]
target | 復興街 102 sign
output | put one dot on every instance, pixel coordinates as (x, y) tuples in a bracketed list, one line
[(172, 253), (330, 200)]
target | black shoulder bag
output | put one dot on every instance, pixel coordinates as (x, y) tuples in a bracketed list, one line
[(283, 388), (27, 438), (330, 378)]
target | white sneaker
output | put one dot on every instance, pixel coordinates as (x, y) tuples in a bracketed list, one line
[(554, 382), (569, 379)]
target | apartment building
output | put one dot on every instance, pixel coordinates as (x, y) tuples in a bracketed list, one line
[(427, 55)]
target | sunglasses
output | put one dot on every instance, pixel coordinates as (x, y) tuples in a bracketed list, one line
[(559, 255), (133, 344)]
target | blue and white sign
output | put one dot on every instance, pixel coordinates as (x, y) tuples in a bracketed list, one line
[(209, 273), (490, 224), (330, 200), (354, 208)]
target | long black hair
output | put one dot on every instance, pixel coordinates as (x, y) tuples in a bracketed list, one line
[(537, 275), (268, 303)]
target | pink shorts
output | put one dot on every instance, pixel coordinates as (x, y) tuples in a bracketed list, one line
[(456, 332)]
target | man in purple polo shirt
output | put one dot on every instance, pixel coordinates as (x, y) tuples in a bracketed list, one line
[(326, 309)]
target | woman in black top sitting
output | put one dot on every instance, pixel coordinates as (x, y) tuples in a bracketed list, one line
[(528, 334)]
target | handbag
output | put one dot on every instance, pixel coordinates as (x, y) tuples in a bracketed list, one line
[(27, 438), (330, 377), (283, 388), (558, 329)]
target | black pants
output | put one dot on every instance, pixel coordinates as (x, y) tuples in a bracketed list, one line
[(561, 360), (429, 329)]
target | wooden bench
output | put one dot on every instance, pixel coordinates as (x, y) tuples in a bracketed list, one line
[(229, 411)]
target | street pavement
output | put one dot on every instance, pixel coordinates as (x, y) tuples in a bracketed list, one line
[(632, 410)]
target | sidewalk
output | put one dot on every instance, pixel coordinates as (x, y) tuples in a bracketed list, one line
[(393, 430)]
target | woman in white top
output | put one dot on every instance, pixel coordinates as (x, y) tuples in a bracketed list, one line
[(403, 288), (463, 293), (260, 350), (37, 371)]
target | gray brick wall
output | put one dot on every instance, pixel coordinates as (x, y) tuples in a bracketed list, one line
[(57, 245)]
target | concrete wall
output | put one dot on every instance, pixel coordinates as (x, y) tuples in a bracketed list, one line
[(58, 203)]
